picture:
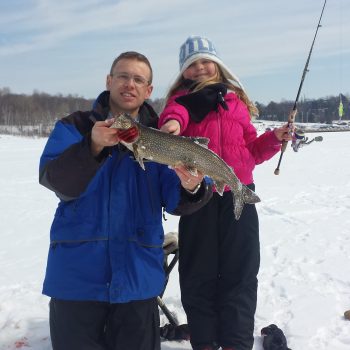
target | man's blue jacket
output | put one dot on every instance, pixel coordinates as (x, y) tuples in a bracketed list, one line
[(106, 237)]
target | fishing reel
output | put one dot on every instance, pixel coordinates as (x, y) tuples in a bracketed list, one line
[(300, 140)]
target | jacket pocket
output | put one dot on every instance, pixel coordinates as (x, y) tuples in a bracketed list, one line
[(150, 236), (77, 230)]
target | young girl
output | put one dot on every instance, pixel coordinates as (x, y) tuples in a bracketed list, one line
[(219, 256)]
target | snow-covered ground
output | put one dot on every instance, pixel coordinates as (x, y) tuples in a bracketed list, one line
[(304, 281)]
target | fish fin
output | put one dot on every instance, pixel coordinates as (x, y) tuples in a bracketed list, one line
[(177, 163), (138, 157), (220, 186), (202, 141), (250, 196), (192, 170), (245, 196)]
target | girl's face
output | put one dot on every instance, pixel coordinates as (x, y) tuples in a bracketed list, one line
[(200, 70)]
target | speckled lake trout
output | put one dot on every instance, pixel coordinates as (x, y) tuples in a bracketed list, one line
[(192, 152)]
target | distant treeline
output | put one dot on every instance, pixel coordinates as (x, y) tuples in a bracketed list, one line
[(321, 110), (36, 114)]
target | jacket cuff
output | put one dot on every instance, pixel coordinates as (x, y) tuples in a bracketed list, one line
[(274, 140), (189, 203)]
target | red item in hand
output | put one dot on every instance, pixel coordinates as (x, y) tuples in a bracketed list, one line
[(128, 135)]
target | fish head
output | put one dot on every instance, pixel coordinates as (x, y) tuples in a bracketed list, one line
[(128, 129), (123, 121)]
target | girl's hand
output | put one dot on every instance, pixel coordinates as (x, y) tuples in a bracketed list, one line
[(285, 132), (172, 126)]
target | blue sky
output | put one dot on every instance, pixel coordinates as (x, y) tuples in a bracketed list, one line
[(67, 47)]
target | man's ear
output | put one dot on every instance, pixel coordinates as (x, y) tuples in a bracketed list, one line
[(108, 82), (149, 91)]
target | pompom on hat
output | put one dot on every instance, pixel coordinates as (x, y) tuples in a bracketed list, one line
[(197, 47)]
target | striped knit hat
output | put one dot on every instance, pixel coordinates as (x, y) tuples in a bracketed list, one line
[(195, 48)]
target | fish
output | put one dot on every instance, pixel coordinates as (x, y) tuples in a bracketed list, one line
[(191, 152)]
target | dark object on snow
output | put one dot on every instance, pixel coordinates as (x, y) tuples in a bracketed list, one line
[(172, 332), (274, 339), (203, 101), (347, 315)]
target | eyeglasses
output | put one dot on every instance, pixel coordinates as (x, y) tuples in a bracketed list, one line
[(126, 77)]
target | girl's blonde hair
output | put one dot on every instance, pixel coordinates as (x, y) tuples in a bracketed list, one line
[(219, 77)]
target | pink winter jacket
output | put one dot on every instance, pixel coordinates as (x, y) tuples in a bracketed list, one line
[(232, 135)]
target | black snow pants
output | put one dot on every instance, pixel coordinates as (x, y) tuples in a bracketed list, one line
[(90, 325), (219, 260)]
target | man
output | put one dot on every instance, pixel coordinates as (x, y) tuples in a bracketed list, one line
[(105, 261)]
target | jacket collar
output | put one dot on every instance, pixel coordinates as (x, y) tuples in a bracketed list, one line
[(100, 111)]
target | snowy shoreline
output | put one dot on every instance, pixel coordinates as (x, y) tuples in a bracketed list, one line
[(304, 280)]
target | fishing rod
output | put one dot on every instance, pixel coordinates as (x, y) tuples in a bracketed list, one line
[(293, 112)]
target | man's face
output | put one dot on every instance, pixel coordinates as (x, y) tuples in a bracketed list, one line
[(129, 86)]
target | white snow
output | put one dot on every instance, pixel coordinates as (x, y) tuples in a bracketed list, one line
[(304, 280)]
